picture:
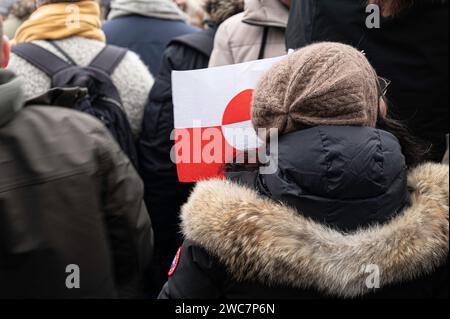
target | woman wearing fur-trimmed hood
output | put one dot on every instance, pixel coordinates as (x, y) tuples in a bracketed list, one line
[(343, 217)]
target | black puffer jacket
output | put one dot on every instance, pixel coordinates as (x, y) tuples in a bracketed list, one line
[(242, 244), (410, 49), (164, 195)]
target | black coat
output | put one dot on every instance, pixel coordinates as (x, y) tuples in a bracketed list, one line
[(337, 184), (164, 195), (410, 49)]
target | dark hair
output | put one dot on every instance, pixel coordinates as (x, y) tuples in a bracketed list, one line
[(414, 149), (250, 164)]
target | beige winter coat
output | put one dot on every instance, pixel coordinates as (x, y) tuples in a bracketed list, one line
[(239, 39)]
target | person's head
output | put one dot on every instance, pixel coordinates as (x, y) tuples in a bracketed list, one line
[(4, 48)]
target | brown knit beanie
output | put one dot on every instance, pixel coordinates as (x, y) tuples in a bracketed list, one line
[(322, 84)]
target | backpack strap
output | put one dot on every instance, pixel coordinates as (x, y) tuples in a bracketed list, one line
[(41, 58), (64, 53), (262, 49), (108, 59)]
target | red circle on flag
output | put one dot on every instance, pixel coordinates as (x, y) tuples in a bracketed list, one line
[(239, 108)]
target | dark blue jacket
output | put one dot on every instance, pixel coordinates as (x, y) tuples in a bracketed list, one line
[(146, 36)]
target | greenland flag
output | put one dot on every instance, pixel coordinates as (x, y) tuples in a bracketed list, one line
[(212, 110)]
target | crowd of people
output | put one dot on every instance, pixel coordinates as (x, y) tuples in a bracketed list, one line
[(87, 179)]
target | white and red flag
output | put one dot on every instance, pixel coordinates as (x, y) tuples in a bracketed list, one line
[(212, 117)]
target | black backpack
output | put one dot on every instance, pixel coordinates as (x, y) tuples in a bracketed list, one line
[(91, 88)]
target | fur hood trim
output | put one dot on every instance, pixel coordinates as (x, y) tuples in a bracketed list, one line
[(221, 10), (258, 239)]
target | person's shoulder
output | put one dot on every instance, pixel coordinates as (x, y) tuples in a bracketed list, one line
[(201, 256), (58, 114), (115, 23), (233, 22), (80, 49), (60, 125), (132, 59), (180, 54), (182, 26), (20, 65), (71, 134), (133, 69), (59, 119)]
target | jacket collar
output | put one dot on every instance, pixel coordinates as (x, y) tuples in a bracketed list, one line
[(11, 96), (160, 9), (266, 13), (259, 239)]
